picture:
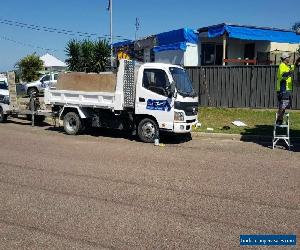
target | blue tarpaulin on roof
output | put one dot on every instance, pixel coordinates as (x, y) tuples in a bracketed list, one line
[(176, 39), (253, 33), (122, 44), (173, 46)]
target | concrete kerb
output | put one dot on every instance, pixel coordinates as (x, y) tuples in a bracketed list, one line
[(238, 137)]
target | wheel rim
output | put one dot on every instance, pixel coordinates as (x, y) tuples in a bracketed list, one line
[(148, 130), (1, 114), (71, 124), (32, 92)]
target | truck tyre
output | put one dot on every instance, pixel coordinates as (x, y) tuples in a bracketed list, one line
[(148, 130), (29, 117), (32, 91), (72, 123), (3, 117), (39, 119)]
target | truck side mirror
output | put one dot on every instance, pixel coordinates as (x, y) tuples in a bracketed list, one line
[(171, 90)]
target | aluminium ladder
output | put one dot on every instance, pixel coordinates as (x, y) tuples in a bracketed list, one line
[(284, 136)]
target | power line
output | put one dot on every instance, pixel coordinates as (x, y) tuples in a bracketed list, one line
[(55, 30), (26, 44)]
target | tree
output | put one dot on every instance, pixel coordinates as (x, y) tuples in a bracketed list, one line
[(73, 54), (87, 56), (29, 67), (296, 27)]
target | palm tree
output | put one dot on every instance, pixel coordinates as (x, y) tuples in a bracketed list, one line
[(87, 56), (101, 55), (73, 54)]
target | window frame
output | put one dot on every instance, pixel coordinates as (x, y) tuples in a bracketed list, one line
[(158, 87), (42, 80)]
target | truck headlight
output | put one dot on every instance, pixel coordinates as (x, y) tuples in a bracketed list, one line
[(179, 116)]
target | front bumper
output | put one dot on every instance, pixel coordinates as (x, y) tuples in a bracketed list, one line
[(185, 127)]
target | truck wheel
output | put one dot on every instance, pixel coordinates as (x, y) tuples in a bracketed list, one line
[(148, 130), (32, 91), (72, 123), (29, 118), (39, 119), (3, 117)]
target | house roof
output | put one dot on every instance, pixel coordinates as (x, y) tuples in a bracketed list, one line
[(123, 43), (165, 40), (52, 61), (245, 32)]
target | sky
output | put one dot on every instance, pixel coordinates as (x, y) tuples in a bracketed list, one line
[(155, 16)]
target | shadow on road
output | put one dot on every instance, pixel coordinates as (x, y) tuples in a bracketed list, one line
[(263, 134), (166, 138), (24, 121)]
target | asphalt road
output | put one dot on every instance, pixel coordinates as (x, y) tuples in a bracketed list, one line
[(103, 191)]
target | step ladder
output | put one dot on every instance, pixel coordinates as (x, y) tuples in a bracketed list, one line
[(285, 131)]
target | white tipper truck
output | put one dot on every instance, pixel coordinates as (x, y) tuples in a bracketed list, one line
[(146, 98), (142, 98)]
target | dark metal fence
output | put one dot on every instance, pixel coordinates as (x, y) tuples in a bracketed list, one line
[(239, 86)]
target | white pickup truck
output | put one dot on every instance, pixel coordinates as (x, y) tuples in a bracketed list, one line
[(4, 94), (145, 98), (38, 86)]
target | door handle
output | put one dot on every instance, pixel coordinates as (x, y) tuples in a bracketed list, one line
[(142, 99)]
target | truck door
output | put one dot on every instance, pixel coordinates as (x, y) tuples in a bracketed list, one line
[(152, 98), (53, 82)]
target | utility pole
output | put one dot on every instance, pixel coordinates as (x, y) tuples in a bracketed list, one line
[(110, 8), (137, 27)]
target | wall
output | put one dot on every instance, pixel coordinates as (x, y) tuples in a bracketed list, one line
[(147, 55), (191, 57), (179, 57), (284, 47), (170, 56)]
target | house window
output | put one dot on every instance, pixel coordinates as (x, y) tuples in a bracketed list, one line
[(211, 54), (249, 52)]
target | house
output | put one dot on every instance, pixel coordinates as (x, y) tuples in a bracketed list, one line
[(236, 44), (222, 44), (51, 63), (176, 47)]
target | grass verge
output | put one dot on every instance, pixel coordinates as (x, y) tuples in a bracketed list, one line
[(259, 122)]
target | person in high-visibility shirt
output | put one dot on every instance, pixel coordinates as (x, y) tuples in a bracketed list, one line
[(284, 85)]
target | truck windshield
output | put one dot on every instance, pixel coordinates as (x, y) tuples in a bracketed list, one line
[(3, 85), (183, 83)]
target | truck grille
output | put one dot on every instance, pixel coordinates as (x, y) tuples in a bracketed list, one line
[(1, 98), (190, 108)]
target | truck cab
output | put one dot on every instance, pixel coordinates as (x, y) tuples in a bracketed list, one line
[(166, 93)]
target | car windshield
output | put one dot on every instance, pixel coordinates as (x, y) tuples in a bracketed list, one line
[(182, 81), (3, 85)]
